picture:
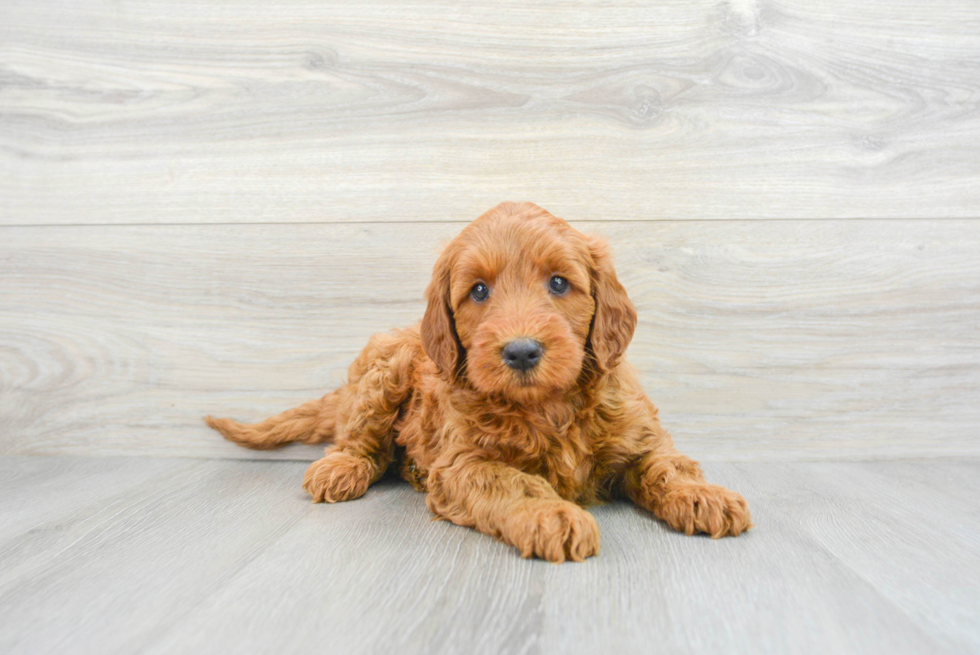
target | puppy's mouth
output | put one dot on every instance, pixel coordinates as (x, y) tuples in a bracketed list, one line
[(525, 379)]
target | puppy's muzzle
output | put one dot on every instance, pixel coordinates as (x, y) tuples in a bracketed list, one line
[(522, 354)]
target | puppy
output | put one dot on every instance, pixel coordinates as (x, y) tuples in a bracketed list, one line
[(509, 405)]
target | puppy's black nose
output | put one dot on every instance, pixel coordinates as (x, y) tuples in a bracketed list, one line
[(522, 354)]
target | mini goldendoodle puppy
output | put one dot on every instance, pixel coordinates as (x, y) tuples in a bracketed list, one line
[(509, 405)]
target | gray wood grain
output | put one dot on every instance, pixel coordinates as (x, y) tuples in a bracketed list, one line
[(887, 533), (777, 591), (814, 339), (142, 557), (37, 491), (246, 111), (421, 586), (229, 557)]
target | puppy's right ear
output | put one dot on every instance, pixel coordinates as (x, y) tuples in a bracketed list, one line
[(439, 339)]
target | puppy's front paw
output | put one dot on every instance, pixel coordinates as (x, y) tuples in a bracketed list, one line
[(555, 531), (697, 507), (337, 477)]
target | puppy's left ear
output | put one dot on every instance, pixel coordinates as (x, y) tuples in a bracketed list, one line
[(438, 329), (615, 317)]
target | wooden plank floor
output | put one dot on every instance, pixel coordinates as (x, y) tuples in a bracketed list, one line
[(808, 339), (332, 110), (205, 207), (118, 555)]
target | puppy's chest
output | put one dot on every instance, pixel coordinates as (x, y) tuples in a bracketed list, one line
[(554, 445), (562, 452)]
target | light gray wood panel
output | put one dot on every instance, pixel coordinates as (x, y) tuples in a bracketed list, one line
[(111, 578), (246, 111), (814, 339), (883, 522), (774, 591), (382, 577), (37, 490), (228, 557)]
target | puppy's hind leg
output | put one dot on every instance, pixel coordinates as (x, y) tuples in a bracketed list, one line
[(379, 383)]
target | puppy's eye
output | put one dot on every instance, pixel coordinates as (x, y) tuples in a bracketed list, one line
[(558, 285), (479, 292)]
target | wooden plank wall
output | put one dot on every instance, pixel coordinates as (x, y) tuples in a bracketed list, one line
[(209, 207)]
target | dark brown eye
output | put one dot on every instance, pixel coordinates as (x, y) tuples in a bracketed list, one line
[(479, 292), (558, 285)]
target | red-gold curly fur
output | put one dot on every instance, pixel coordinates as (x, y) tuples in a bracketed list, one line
[(513, 454)]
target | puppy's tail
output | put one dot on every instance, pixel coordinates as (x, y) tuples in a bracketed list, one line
[(312, 422)]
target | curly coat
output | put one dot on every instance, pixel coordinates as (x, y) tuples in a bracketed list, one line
[(512, 452)]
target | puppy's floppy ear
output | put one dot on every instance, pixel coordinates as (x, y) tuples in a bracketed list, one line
[(439, 339), (615, 317)]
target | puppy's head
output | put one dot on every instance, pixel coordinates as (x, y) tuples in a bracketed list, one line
[(522, 304)]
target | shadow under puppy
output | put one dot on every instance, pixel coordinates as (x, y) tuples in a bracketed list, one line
[(509, 405)]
